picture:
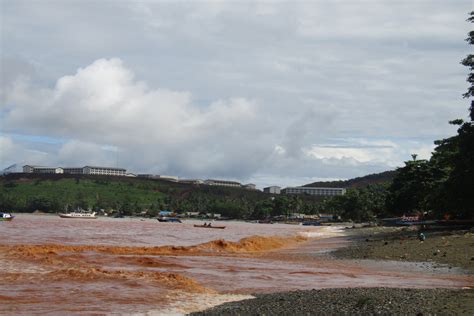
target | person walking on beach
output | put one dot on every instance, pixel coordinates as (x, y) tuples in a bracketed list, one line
[(421, 237)]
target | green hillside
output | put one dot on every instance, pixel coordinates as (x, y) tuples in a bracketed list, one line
[(52, 193), (371, 179)]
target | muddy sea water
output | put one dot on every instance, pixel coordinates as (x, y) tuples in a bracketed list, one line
[(50, 265)]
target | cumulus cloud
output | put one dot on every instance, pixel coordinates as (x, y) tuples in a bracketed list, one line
[(102, 104)]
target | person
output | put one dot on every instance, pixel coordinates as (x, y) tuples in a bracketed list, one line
[(421, 237)]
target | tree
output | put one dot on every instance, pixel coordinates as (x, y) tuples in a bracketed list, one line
[(262, 210), (469, 62), (411, 187)]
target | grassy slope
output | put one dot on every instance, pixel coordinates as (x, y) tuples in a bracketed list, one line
[(68, 190)]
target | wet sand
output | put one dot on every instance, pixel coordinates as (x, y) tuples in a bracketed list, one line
[(101, 276)]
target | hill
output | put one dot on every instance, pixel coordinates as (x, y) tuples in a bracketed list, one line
[(376, 178), (22, 192)]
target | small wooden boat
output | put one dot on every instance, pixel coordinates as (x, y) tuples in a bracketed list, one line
[(6, 217), (209, 226)]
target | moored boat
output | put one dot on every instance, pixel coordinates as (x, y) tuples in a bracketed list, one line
[(6, 217), (209, 226), (80, 214), (311, 223), (169, 220)]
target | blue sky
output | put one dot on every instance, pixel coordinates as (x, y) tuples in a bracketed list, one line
[(280, 93)]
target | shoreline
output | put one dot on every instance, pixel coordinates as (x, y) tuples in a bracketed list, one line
[(442, 250)]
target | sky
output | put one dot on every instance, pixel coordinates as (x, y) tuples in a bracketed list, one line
[(265, 92)]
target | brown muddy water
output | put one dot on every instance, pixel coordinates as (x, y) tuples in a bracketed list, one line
[(124, 266)]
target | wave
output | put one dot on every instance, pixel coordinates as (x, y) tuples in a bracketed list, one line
[(324, 232), (48, 253)]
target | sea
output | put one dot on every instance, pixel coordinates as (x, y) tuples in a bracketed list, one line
[(135, 266)]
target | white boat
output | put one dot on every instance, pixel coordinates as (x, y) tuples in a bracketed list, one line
[(6, 217), (80, 214)]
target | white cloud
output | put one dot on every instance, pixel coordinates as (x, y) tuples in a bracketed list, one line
[(102, 104)]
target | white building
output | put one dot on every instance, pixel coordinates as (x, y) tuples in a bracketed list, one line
[(75, 170), (40, 169), (250, 186), (314, 191), (106, 171), (168, 178), (223, 183), (272, 190)]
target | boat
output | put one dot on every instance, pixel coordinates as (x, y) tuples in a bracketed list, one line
[(209, 226), (406, 221), (79, 214), (311, 223), (6, 217), (169, 220)]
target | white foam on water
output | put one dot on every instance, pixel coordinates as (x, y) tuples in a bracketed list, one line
[(324, 232), (187, 303)]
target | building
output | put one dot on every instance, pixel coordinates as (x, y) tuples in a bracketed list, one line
[(106, 171), (250, 186), (74, 170), (29, 169), (272, 190), (223, 183), (146, 175), (40, 169), (191, 181), (168, 178), (314, 191)]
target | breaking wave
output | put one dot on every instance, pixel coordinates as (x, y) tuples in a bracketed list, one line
[(48, 253)]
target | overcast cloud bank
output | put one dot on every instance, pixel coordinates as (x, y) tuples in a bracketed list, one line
[(273, 94)]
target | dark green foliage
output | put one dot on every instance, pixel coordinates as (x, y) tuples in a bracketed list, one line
[(411, 187), (358, 204)]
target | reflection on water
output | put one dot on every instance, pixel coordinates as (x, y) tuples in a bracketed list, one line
[(58, 266)]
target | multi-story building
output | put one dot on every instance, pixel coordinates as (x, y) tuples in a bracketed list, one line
[(223, 183), (107, 171), (272, 190), (40, 169), (73, 170), (314, 191)]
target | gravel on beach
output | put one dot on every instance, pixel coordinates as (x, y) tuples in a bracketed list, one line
[(450, 248), (353, 301)]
